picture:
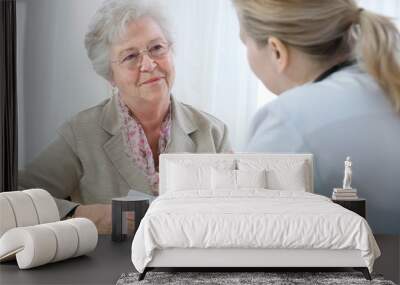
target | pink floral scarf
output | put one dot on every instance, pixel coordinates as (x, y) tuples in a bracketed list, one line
[(137, 146)]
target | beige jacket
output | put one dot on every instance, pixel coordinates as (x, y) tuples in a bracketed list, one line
[(89, 159)]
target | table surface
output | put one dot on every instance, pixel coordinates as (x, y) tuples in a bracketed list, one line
[(104, 265)]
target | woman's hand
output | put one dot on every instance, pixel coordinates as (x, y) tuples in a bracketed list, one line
[(101, 216)]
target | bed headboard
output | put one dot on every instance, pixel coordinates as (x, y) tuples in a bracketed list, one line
[(239, 161)]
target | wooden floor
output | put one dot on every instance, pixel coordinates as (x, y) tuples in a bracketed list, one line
[(389, 262)]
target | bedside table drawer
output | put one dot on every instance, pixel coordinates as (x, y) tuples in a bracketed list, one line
[(357, 206)]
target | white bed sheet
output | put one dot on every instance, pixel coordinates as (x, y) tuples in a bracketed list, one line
[(250, 218)]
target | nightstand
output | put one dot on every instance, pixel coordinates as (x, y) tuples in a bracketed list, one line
[(358, 206), (122, 205)]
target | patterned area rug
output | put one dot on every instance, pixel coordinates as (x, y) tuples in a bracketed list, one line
[(269, 278)]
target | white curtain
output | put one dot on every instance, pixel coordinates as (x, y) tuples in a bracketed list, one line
[(389, 8), (212, 70)]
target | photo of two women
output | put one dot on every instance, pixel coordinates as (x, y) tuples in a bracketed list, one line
[(103, 88)]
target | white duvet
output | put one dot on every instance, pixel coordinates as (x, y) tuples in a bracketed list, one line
[(251, 218)]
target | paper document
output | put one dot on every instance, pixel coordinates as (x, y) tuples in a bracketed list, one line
[(139, 195)]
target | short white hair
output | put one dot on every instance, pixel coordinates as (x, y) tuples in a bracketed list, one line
[(108, 26)]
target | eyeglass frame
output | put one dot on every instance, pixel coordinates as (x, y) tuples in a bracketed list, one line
[(145, 51)]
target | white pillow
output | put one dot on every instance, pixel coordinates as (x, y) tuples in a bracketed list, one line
[(223, 179), (182, 177), (282, 174), (236, 179), (251, 178), (294, 178)]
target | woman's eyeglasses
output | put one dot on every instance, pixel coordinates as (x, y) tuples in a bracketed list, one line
[(154, 51)]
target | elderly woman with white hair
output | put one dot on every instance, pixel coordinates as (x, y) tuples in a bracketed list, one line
[(114, 146)]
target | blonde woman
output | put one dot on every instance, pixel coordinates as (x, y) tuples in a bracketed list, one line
[(336, 70)]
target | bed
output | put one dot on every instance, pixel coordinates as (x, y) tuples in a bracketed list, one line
[(245, 211)]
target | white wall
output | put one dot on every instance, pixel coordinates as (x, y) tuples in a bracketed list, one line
[(55, 78)]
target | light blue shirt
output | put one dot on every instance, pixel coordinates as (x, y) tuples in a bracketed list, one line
[(346, 114)]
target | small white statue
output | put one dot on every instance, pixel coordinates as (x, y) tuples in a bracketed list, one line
[(347, 174)]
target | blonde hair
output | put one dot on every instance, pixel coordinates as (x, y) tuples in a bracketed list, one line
[(326, 29)]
